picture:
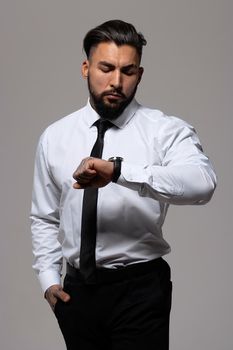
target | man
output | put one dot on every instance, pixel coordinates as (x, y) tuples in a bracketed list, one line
[(104, 215)]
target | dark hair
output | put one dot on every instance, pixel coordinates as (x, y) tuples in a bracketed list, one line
[(117, 31)]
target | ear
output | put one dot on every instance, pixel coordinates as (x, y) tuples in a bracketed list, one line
[(141, 70), (85, 69)]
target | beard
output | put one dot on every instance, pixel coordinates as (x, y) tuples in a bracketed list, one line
[(113, 109)]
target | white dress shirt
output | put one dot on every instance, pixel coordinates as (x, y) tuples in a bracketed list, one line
[(163, 164)]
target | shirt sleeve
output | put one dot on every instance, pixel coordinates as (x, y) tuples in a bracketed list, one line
[(184, 175), (45, 221)]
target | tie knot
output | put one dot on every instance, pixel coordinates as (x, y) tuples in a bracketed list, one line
[(103, 125)]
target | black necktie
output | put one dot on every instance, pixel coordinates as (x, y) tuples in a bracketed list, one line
[(89, 213)]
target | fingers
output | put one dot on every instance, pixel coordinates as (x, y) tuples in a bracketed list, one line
[(83, 182), (63, 296), (79, 186), (54, 293), (93, 172), (84, 173)]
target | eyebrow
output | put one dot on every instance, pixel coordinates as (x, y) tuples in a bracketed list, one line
[(107, 64)]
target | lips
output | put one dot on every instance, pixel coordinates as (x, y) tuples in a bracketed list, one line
[(113, 95)]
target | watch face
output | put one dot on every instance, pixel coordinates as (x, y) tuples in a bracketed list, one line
[(112, 159)]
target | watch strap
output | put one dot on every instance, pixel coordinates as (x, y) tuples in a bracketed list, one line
[(117, 167)]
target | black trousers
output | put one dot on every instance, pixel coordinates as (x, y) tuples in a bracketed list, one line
[(126, 309)]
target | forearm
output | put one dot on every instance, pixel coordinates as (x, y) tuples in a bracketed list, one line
[(46, 251), (177, 184)]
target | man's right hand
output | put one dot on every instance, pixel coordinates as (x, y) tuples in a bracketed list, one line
[(55, 292)]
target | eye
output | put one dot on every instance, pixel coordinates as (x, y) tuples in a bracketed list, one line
[(106, 68), (129, 71)]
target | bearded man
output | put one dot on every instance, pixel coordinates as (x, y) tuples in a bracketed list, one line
[(104, 179)]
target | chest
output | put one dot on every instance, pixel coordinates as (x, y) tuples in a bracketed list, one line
[(136, 145)]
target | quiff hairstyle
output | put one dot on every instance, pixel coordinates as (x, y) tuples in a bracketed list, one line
[(117, 31)]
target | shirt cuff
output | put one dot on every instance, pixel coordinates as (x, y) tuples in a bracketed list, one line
[(133, 173), (142, 179), (132, 176), (49, 278)]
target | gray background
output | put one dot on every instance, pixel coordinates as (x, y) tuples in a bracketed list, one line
[(188, 73)]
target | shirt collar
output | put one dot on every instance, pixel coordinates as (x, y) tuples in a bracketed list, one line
[(120, 122)]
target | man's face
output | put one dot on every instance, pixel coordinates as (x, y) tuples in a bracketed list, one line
[(113, 74)]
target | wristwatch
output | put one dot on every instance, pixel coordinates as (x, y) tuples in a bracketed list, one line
[(117, 167)]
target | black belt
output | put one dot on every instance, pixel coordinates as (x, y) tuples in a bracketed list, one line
[(105, 275)]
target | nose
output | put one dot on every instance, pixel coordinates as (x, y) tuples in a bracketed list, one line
[(116, 80)]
